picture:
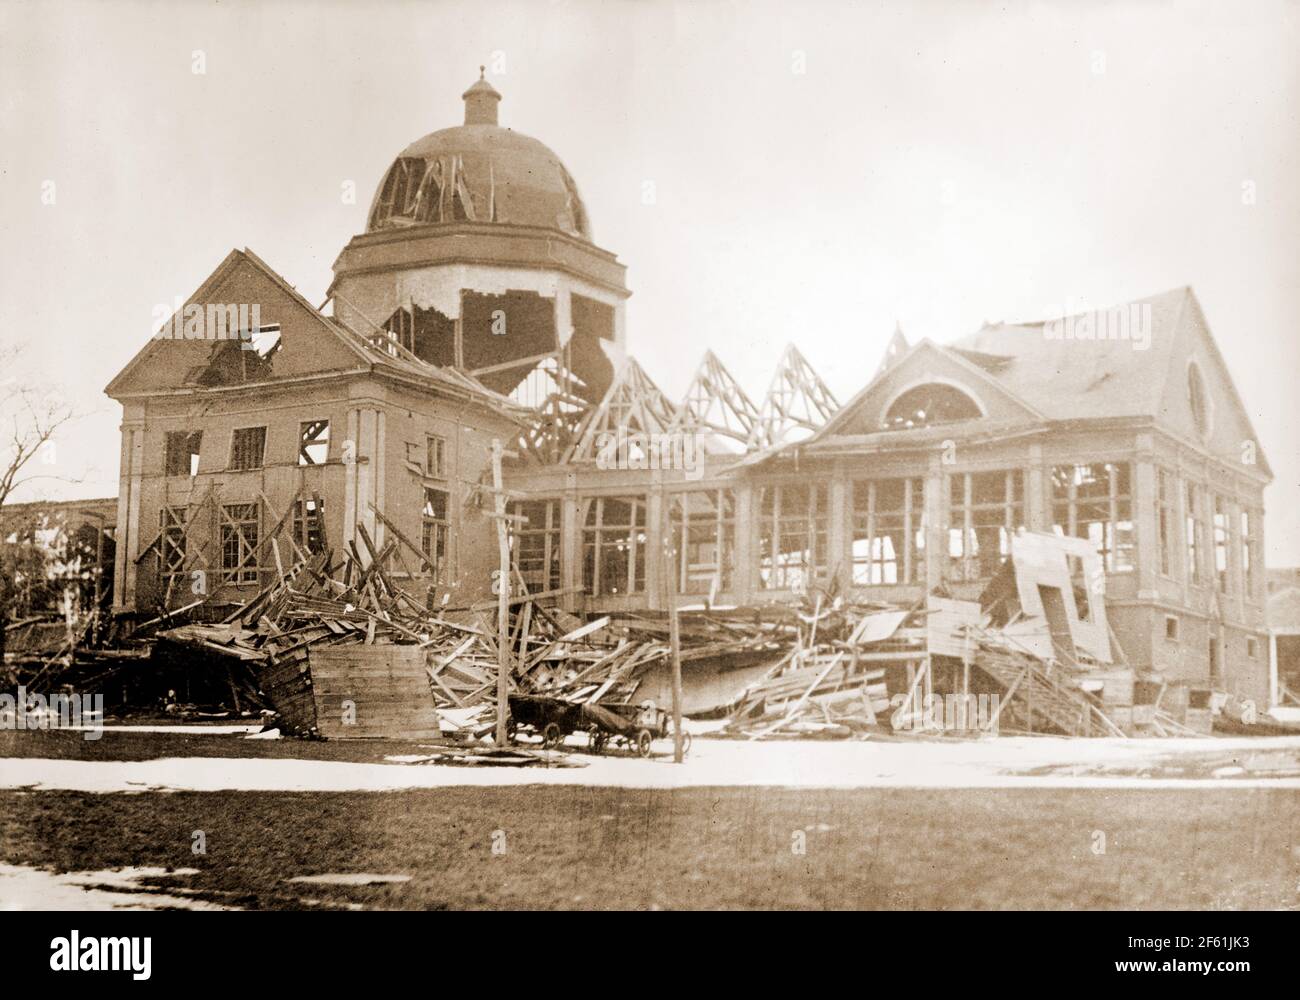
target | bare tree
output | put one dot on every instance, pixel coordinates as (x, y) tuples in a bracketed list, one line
[(30, 416)]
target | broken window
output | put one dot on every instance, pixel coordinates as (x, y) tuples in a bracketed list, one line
[(263, 341), (792, 537), (313, 442), (309, 525), (171, 541), (498, 332), (1167, 521), (703, 540), (613, 546), (985, 510), (1195, 531), (247, 448), (434, 526), (888, 531), (239, 542), (932, 403), (1095, 502), (535, 542), (182, 453), (1221, 544), (435, 457)]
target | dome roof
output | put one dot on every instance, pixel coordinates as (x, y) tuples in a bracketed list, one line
[(479, 172)]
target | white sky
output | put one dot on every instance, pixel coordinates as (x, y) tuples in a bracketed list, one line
[(938, 164)]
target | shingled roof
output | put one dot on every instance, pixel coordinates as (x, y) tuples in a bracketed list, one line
[(1066, 378)]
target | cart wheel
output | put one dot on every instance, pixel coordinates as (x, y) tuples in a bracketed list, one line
[(551, 736), (643, 743)]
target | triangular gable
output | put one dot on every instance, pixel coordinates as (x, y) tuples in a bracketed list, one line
[(242, 292), (926, 362), (1231, 434)]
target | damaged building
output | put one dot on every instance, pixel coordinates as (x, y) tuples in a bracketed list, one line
[(477, 307)]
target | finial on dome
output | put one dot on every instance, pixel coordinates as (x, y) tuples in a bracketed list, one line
[(481, 101)]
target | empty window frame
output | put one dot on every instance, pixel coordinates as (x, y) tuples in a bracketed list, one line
[(1220, 536), (613, 546), (171, 541), (313, 442), (1171, 628), (309, 525), (985, 510), (1095, 501), (792, 536), (247, 448), (1195, 531), (182, 453), (888, 531), (703, 526), (435, 457), (1167, 520), (1249, 574), (239, 524), (535, 542), (434, 527)]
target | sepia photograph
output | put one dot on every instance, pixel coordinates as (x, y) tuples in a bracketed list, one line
[(635, 455)]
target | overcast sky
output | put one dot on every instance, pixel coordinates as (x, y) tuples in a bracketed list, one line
[(820, 171)]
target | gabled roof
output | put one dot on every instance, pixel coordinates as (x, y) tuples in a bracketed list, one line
[(374, 353), (1072, 378), (978, 375)]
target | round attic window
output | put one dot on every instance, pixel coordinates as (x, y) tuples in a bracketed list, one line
[(1198, 399)]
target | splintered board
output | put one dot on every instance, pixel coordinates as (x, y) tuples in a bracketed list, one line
[(372, 691)]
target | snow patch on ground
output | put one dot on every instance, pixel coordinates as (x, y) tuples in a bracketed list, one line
[(1002, 762), (26, 888)]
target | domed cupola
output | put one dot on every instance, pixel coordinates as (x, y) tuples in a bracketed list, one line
[(479, 172), (478, 254)]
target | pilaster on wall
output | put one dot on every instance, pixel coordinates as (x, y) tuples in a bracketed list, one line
[(838, 537), (128, 515), (364, 483), (570, 542), (1037, 513), (744, 581), (936, 545), (1145, 517)]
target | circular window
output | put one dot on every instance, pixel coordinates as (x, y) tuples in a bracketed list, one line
[(1198, 399)]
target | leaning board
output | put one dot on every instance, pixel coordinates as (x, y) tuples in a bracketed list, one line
[(387, 687)]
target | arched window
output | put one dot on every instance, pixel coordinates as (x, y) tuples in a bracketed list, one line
[(1198, 399), (931, 403)]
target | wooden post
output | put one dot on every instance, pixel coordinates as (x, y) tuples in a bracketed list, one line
[(669, 592), (503, 598)]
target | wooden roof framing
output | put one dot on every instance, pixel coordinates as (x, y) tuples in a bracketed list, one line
[(797, 400), (715, 402)]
